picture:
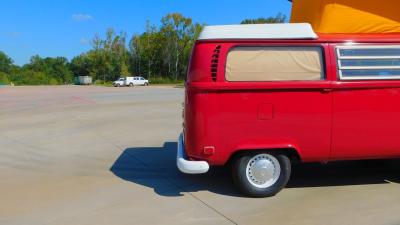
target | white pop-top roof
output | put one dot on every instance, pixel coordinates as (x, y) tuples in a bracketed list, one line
[(259, 31)]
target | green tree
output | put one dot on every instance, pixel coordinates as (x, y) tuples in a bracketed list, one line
[(108, 58), (180, 33), (135, 54), (152, 41), (80, 65), (4, 78), (119, 56), (124, 70), (6, 63), (279, 18), (54, 69), (165, 50), (160, 52), (29, 77)]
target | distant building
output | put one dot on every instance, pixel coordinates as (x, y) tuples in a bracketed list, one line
[(83, 80)]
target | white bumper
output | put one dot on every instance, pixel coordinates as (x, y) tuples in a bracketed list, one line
[(186, 166)]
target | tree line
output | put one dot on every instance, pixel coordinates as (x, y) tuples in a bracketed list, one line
[(161, 54)]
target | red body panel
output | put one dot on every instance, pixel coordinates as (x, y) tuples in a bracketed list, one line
[(321, 120)]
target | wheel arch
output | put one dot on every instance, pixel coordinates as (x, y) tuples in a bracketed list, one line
[(290, 152)]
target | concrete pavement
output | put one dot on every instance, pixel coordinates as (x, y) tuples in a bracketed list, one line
[(100, 155)]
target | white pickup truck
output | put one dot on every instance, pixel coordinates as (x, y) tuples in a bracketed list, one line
[(130, 81)]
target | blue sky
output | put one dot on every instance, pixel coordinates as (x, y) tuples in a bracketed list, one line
[(63, 27)]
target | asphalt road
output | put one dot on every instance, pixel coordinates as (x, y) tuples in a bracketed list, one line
[(98, 155)]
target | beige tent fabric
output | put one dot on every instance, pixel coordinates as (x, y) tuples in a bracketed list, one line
[(274, 64)]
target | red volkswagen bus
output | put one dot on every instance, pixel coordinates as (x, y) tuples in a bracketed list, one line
[(259, 97)]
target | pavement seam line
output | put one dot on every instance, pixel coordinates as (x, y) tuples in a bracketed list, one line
[(175, 185), (183, 190)]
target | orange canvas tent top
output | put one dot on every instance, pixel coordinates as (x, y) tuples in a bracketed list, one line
[(348, 16)]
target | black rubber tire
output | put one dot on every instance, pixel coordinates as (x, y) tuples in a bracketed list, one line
[(118, 85), (240, 178), (146, 84), (130, 84)]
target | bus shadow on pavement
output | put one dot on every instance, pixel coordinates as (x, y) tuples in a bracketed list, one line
[(155, 167), (345, 173)]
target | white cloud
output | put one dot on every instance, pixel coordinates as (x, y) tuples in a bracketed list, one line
[(82, 17), (84, 41), (13, 34)]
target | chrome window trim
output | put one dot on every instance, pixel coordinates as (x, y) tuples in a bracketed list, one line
[(368, 67), (340, 68)]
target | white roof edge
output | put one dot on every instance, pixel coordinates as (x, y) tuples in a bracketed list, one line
[(259, 31)]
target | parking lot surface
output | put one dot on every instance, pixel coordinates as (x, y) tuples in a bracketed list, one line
[(102, 155)]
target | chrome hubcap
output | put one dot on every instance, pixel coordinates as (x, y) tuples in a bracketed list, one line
[(263, 170)]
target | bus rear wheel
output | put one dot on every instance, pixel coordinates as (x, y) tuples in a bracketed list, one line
[(261, 174)]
